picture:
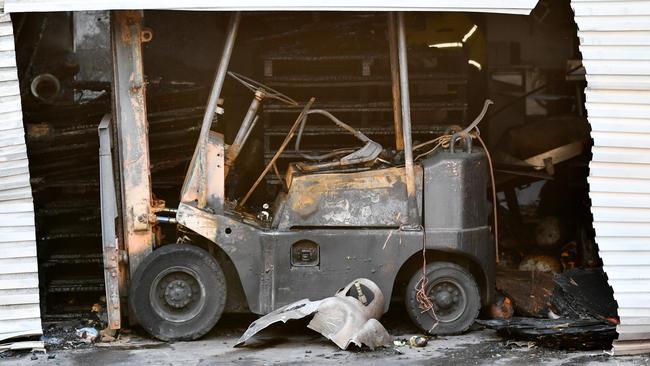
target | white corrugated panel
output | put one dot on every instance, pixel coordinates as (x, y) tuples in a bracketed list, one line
[(19, 300), (488, 6), (615, 45)]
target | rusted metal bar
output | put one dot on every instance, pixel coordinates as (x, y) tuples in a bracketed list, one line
[(275, 157), (395, 86), (110, 246), (413, 215), (246, 127), (199, 153), (130, 116)]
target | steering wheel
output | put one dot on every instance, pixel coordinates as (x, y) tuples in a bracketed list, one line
[(366, 154), (256, 86)]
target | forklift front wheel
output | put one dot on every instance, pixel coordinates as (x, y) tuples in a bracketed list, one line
[(453, 293), (178, 292)]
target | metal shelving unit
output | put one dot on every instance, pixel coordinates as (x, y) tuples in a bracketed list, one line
[(356, 88)]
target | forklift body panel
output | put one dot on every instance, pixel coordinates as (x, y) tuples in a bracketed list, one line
[(334, 227), (366, 199)]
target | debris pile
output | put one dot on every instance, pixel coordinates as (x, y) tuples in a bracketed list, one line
[(554, 304), (552, 290), (574, 309)]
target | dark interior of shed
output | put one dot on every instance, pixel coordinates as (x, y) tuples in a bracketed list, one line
[(537, 130)]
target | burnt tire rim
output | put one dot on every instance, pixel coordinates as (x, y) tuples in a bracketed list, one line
[(177, 294), (448, 298)]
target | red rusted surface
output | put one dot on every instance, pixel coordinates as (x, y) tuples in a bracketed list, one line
[(130, 116)]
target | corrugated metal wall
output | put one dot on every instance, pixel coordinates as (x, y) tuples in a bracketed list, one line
[(19, 300), (487, 6), (615, 45)]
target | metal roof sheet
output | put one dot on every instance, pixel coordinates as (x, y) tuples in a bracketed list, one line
[(492, 6)]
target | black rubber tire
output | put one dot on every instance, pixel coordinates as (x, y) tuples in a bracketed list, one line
[(210, 276), (440, 271)]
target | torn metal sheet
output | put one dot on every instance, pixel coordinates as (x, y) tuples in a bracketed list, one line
[(344, 318), (582, 334), (34, 346)]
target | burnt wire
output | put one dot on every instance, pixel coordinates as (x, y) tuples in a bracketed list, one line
[(439, 141), (424, 302)]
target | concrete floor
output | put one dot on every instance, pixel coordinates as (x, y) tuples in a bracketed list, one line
[(294, 344)]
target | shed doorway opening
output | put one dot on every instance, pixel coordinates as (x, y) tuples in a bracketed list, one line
[(536, 132)]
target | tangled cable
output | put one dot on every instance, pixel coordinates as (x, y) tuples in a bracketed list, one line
[(421, 293)]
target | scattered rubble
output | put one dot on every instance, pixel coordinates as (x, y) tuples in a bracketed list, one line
[(399, 343), (540, 263), (529, 291), (87, 334), (574, 309), (418, 341), (582, 334), (107, 335), (502, 308)]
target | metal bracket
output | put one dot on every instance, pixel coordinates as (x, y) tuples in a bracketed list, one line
[(110, 244)]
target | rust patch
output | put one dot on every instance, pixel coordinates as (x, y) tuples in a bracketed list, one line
[(375, 198), (306, 206)]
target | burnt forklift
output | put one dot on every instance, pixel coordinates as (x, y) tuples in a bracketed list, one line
[(349, 214)]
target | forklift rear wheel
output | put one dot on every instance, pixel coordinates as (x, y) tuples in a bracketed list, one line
[(178, 292), (453, 293)]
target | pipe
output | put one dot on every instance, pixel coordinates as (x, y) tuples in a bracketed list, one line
[(413, 219), (394, 78), (166, 220), (250, 129), (356, 133), (290, 134), (244, 131), (211, 107), (45, 87)]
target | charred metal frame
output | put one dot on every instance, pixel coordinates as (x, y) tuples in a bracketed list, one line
[(262, 92), (130, 114), (210, 110), (244, 131), (110, 245)]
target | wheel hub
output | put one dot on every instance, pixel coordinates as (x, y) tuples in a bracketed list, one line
[(448, 300), (178, 294), (444, 299)]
